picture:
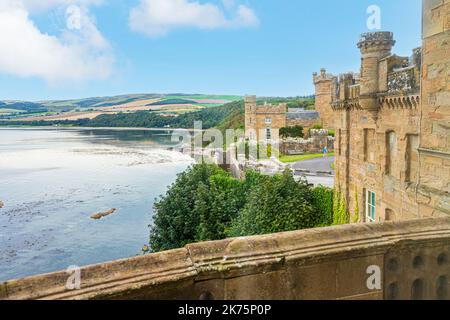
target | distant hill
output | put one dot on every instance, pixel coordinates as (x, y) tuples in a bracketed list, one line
[(75, 109), (99, 102), (172, 101), (22, 105), (210, 117)]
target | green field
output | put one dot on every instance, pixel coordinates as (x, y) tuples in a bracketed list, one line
[(302, 157), (203, 97), (9, 111)]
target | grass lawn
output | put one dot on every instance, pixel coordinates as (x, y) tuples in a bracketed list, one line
[(302, 157)]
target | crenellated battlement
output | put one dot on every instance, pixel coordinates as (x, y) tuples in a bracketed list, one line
[(323, 76), (376, 41), (384, 78), (269, 108)]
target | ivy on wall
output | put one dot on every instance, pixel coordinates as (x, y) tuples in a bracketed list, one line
[(341, 214), (356, 213)]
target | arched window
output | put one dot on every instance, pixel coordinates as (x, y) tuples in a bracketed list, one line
[(417, 290), (442, 288)]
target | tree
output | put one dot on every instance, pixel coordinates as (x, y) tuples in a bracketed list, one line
[(292, 132), (277, 204), (176, 219), (218, 205), (207, 203)]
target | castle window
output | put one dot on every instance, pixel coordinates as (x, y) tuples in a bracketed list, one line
[(412, 157), (268, 134), (370, 206), (417, 290), (442, 288), (369, 143), (391, 151), (268, 121)]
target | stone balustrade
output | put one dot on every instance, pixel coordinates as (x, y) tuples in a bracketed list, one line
[(403, 81), (411, 259), (354, 91)]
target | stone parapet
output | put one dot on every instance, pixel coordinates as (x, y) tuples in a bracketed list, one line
[(325, 263)]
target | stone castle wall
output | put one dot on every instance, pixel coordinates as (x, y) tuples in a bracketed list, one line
[(260, 118), (434, 149), (314, 144), (392, 135)]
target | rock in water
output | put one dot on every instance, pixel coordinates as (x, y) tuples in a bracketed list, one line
[(1, 204), (100, 215)]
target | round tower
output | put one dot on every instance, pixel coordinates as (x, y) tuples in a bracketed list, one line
[(374, 46)]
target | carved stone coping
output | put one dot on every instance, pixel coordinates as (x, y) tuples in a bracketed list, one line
[(350, 104), (376, 38), (436, 153), (399, 101), (229, 258)]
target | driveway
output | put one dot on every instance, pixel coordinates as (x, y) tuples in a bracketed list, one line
[(314, 165)]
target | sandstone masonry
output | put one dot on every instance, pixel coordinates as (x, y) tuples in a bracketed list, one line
[(392, 124), (263, 122)]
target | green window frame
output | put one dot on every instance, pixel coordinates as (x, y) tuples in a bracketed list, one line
[(371, 207)]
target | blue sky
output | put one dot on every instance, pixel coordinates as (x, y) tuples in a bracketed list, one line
[(263, 47)]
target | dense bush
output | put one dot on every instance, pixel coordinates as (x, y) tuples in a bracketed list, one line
[(292, 132), (206, 203), (275, 204)]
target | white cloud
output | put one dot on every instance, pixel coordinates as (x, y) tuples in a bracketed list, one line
[(42, 5), (158, 17), (76, 54)]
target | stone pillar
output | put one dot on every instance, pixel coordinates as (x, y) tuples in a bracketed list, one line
[(323, 83), (374, 46)]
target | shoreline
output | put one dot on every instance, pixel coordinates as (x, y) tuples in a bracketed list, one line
[(94, 128)]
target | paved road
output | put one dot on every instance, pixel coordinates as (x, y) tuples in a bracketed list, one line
[(314, 165)]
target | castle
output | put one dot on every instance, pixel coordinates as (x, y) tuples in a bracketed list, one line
[(263, 122), (392, 123)]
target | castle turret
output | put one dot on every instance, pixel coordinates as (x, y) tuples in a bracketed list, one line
[(374, 46), (250, 116), (323, 83)]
